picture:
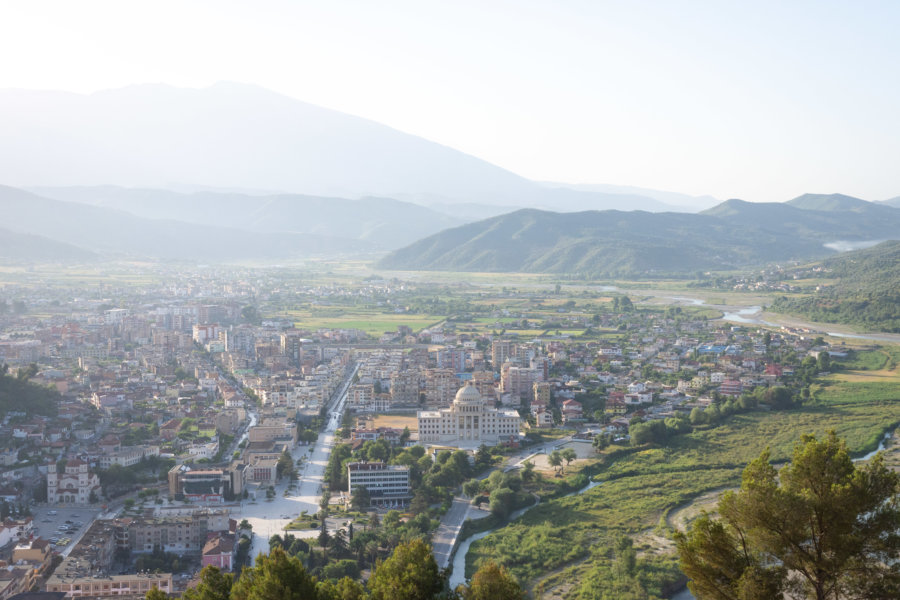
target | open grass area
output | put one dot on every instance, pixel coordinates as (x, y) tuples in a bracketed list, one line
[(111, 275), (371, 321), (580, 530)]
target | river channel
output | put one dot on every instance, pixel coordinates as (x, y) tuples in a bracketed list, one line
[(458, 573), (754, 315)]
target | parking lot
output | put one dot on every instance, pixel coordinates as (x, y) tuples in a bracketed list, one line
[(64, 525)]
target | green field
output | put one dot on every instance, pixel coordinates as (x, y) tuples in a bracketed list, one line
[(372, 322)]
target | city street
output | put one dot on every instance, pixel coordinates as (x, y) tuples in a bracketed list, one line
[(270, 517)]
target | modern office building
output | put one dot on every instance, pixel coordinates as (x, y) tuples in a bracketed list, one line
[(388, 485)]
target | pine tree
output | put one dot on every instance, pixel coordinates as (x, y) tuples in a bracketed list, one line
[(820, 528), (214, 585), (275, 577)]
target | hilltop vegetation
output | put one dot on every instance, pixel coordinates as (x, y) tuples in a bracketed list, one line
[(867, 292), (17, 394), (614, 243)]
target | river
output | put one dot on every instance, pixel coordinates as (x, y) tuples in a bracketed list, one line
[(458, 572)]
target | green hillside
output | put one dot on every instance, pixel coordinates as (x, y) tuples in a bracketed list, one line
[(867, 292), (19, 394), (614, 243), (829, 202)]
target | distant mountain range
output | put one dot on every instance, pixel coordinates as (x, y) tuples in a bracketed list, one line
[(379, 223), (115, 233), (241, 137), (614, 243), (87, 223)]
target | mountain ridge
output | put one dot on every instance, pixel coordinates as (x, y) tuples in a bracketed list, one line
[(29, 247), (385, 223), (115, 233), (610, 243), (244, 137)]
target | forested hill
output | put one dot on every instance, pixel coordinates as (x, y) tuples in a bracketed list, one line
[(615, 243), (867, 291), (19, 394)]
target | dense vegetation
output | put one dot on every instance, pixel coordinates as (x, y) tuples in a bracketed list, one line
[(432, 481), (867, 292), (17, 394), (614, 243)]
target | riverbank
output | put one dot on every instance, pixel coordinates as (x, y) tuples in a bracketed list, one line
[(752, 310), (467, 538)]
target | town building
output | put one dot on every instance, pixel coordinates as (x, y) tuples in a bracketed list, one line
[(541, 391), (468, 420), (440, 385), (500, 351), (388, 485), (73, 485), (132, 586), (204, 485), (219, 552), (405, 387)]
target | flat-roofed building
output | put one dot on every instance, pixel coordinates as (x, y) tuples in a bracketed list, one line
[(131, 586), (388, 485), (202, 485)]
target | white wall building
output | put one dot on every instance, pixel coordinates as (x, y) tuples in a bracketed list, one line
[(468, 420)]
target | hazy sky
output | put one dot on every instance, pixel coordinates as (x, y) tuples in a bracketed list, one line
[(757, 100)]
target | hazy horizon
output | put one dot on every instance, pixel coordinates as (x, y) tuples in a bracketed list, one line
[(761, 102)]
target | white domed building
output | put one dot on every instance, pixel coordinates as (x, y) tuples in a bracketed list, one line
[(468, 421)]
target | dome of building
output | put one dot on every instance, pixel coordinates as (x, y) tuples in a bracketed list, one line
[(468, 394)]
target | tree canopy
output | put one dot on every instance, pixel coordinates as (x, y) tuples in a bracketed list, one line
[(492, 582), (214, 585), (17, 393), (275, 576), (820, 528), (410, 573)]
